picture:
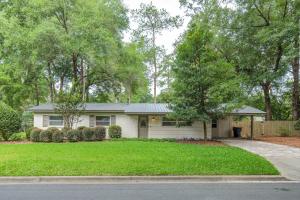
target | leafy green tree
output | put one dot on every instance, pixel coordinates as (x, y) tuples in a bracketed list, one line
[(133, 72), (151, 22), (10, 121), (203, 79), (70, 107)]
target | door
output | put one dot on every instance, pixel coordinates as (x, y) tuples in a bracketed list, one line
[(143, 126)]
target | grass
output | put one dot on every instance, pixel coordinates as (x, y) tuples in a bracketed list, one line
[(128, 158)]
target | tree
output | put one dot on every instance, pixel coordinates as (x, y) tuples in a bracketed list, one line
[(204, 81), (48, 47), (256, 38), (70, 107), (10, 121), (132, 73), (151, 22)]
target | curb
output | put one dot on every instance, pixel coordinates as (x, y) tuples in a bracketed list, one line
[(137, 179)]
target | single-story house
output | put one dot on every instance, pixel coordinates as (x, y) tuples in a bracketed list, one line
[(140, 120)]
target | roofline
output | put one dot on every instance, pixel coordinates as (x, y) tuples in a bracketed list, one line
[(100, 111), (264, 113)]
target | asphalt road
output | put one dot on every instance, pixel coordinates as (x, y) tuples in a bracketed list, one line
[(178, 191)]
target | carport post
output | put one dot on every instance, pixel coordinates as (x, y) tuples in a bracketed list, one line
[(252, 124)]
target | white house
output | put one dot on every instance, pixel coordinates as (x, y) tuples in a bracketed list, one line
[(138, 120)]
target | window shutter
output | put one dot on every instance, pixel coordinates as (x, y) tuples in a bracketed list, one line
[(92, 121), (113, 120), (45, 120)]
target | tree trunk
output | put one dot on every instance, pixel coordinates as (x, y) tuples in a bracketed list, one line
[(205, 131), (295, 69), (62, 80), (37, 92), (74, 69), (155, 66), (82, 79), (267, 98), (51, 83)]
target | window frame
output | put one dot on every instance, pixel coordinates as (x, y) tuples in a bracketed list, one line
[(175, 122), (56, 120), (109, 121)]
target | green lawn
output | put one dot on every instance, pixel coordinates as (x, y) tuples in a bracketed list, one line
[(128, 158)]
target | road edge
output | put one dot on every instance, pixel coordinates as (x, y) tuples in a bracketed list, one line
[(137, 179)]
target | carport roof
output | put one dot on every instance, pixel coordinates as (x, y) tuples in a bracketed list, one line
[(247, 110)]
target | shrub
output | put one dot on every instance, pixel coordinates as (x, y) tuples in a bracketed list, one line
[(80, 129), (27, 132), (10, 121), (88, 134), (65, 130), (27, 120), (115, 131), (284, 132), (46, 136), (73, 135), (100, 133), (21, 136), (35, 134), (57, 136), (297, 125)]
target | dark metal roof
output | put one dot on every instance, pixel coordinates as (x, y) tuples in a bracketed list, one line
[(141, 108), (147, 108)]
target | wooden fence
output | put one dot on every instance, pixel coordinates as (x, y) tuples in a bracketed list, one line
[(268, 128)]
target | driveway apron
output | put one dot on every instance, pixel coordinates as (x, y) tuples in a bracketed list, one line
[(285, 158)]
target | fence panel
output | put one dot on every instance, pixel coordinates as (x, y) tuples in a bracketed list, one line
[(267, 128)]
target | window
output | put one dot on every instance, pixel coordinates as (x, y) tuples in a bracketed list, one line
[(214, 123), (102, 120), (173, 122), (56, 121)]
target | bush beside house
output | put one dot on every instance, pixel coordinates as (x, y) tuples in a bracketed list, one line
[(46, 136), (35, 134), (100, 133), (115, 131), (10, 121), (73, 135), (21, 136), (88, 134)]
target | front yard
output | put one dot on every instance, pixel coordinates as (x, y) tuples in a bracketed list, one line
[(128, 158)]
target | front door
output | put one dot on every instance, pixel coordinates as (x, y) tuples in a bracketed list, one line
[(143, 126)]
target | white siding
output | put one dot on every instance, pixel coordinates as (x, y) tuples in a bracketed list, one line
[(84, 120), (129, 125), (38, 121), (156, 130)]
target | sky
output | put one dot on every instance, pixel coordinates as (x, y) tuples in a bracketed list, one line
[(167, 38)]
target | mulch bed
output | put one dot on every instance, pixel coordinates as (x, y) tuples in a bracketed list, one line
[(15, 142), (293, 141), (209, 142)]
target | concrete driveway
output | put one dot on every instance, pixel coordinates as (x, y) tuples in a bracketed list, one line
[(285, 158)]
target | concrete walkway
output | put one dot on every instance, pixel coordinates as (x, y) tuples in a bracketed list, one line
[(285, 158)]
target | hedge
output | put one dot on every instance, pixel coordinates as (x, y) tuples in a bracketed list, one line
[(100, 133), (35, 134), (115, 131), (10, 121)]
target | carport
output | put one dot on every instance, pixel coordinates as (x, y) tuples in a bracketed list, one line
[(222, 128), (249, 112)]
